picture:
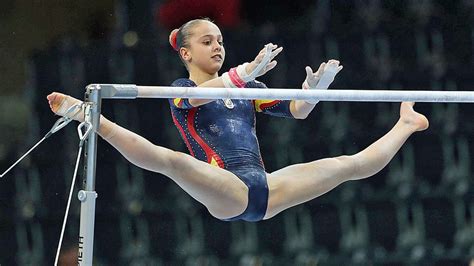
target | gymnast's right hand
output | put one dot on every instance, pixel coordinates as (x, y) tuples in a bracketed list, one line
[(60, 103), (239, 76), (264, 61)]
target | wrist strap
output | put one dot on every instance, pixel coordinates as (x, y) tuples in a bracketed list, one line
[(232, 79), (306, 86), (235, 78)]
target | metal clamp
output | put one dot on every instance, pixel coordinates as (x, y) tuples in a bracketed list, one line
[(58, 125), (83, 136)]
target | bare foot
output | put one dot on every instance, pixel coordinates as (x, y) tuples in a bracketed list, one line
[(59, 103), (411, 117), (55, 99)]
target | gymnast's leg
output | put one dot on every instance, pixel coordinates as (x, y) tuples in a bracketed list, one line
[(223, 193), (299, 183)]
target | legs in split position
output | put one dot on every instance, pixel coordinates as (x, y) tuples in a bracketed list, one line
[(223, 193), (299, 183)]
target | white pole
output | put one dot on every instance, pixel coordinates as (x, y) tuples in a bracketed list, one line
[(133, 91), (299, 94)]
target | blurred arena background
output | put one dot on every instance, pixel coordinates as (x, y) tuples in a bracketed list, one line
[(418, 211)]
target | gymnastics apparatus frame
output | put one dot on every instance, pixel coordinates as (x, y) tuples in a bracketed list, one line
[(96, 92)]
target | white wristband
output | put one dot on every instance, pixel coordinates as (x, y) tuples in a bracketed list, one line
[(227, 81), (243, 73), (306, 86)]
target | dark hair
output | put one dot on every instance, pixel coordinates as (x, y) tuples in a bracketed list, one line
[(179, 37)]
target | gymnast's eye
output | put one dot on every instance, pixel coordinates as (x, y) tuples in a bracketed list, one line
[(207, 42)]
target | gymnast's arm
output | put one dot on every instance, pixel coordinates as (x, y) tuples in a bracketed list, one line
[(301, 109), (219, 81), (319, 80)]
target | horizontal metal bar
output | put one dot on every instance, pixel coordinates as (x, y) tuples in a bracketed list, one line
[(116, 91), (293, 94)]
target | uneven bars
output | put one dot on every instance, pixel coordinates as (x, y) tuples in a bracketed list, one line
[(131, 91)]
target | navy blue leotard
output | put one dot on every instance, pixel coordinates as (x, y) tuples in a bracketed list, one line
[(225, 137)]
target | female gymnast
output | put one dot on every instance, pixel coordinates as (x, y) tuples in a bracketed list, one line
[(225, 171)]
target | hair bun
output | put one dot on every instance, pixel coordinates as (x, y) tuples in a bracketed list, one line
[(173, 39)]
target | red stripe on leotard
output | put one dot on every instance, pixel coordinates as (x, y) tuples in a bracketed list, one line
[(181, 130), (210, 153)]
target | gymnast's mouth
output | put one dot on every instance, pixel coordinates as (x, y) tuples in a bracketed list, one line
[(217, 56)]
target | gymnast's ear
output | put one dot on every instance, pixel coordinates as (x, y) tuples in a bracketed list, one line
[(185, 53)]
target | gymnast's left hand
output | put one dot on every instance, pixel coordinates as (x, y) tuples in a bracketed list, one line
[(323, 77)]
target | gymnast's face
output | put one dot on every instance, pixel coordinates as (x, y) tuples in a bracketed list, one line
[(206, 51)]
